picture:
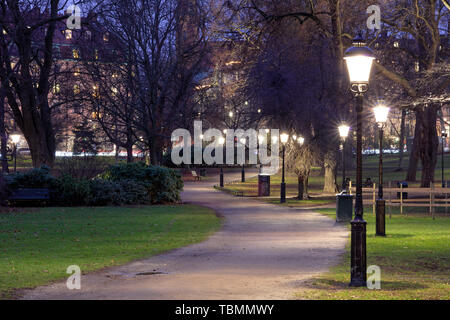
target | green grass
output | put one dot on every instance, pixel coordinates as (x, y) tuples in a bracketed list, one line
[(414, 259), (37, 245)]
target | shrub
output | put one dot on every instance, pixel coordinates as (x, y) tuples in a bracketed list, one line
[(162, 184), (35, 178), (105, 193), (82, 167), (71, 192), (134, 193)]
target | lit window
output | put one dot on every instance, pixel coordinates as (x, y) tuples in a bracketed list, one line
[(13, 65), (56, 88), (77, 72), (68, 34), (96, 92), (76, 89), (96, 54), (396, 44), (417, 66), (106, 37), (114, 91), (76, 53)]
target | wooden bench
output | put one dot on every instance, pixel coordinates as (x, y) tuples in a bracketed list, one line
[(30, 195), (238, 193), (195, 175)]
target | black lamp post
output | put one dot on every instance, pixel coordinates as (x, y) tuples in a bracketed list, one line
[(284, 139), (359, 59), (221, 142), (381, 114), (444, 136), (343, 132), (243, 141)]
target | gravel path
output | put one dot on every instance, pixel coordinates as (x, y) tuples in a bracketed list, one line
[(262, 252)]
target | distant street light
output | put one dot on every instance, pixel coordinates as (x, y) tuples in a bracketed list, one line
[(381, 116), (343, 132), (444, 136), (15, 139), (231, 114), (284, 138), (359, 60)]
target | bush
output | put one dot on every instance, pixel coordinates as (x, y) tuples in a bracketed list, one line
[(82, 167), (35, 178), (105, 193), (71, 192), (134, 193), (162, 184)]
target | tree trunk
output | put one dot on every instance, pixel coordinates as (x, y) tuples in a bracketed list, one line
[(3, 138), (330, 166), (301, 187), (130, 154), (428, 143), (401, 144), (414, 155)]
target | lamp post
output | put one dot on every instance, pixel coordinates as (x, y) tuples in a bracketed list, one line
[(444, 135), (343, 132), (15, 138), (284, 139), (243, 141), (221, 143), (381, 114), (301, 179), (359, 60)]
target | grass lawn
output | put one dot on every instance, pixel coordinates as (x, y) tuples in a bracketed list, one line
[(414, 259), (37, 245)]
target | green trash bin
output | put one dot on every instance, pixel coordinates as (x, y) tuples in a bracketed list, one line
[(344, 208)]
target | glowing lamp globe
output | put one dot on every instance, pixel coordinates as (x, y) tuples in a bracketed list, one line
[(359, 60), (344, 131)]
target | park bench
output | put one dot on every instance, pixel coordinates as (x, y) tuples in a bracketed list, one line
[(195, 175), (30, 195), (238, 193)]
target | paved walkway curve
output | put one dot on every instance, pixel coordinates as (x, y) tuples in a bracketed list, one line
[(263, 251)]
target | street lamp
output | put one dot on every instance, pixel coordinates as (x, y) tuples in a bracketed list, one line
[(221, 143), (343, 132), (243, 141), (284, 138), (444, 136), (15, 138), (359, 60), (381, 115)]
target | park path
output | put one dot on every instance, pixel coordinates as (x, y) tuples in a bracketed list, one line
[(263, 252)]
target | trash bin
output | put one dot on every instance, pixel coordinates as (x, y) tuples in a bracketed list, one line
[(405, 186), (344, 207), (263, 185)]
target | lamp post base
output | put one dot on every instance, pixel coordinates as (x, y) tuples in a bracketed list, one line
[(283, 193), (381, 218), (358, 254)]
